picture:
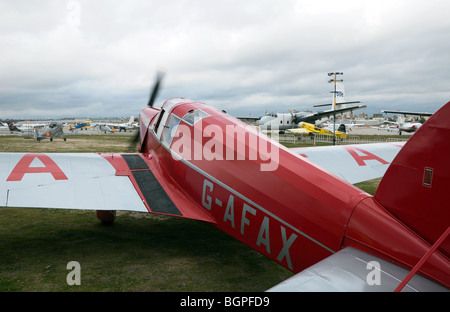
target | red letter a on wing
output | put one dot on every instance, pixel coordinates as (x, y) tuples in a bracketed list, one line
[(23, 167), (367, 155)]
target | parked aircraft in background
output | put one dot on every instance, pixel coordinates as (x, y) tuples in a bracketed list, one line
[(25, 127), (9, 125), (284, 121), (400, 125), (39, 131), (130, 125), (403, 126), (292, 120), (406, 113), (105, 128), (310, 128), (80, 125), (53, 129), (4, 126)]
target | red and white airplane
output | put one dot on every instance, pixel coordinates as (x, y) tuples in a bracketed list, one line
[(297, 207)]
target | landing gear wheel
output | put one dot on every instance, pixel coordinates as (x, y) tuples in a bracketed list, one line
[(107, 217)]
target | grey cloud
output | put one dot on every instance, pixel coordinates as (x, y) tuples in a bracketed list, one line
[(245, 57)]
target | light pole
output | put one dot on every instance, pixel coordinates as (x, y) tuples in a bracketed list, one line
[(334, 101)]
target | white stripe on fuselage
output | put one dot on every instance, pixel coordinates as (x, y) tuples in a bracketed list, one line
[(231, 190)]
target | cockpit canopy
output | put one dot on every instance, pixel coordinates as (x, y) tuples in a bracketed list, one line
[(167, 121), (265, 119), (194, 116)]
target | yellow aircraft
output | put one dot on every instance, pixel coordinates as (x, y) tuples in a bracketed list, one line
[(313, 129)]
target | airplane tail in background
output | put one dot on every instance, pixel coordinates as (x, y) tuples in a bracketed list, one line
[(415, 188), (36, 133), (340, 96), (13, 128), (400, 121)]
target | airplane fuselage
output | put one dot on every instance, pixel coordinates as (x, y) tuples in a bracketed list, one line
[(274, 201), (277, 122), (409, 127)]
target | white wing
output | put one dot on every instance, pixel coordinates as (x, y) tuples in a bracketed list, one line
[(352, 270), (89, 182), (353, 163), (92, 182)]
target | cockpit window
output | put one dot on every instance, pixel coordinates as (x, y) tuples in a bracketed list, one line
[(170, 130), (194, 116), (265, 119)]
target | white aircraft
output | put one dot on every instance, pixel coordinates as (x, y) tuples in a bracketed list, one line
[(130, 125), (105, 128), (29, 127), (401, 125), (342, 127), (407, 126), (4, 126)]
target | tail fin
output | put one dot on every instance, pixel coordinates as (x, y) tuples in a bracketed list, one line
[(400, 121), (416, 188), (340, 96), (36, 133), (342, 128), (12, 127)]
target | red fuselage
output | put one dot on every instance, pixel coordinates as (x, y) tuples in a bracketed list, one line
[(275, 201)]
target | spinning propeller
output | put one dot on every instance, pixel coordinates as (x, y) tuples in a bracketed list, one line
[(155, 90), (151, 101)]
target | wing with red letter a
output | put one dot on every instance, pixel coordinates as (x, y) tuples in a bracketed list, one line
[(92, 182), (353, 163)]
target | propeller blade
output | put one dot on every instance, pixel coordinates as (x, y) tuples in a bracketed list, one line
[(155, 89), (136, 139)]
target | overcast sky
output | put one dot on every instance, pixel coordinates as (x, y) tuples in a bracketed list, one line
[(100, 58)]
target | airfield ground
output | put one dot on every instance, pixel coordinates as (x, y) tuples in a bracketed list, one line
[(139, 252)]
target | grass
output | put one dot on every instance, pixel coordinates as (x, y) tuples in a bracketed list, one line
[(134, 254), (74, 144), (139, 252), (369, 186)]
